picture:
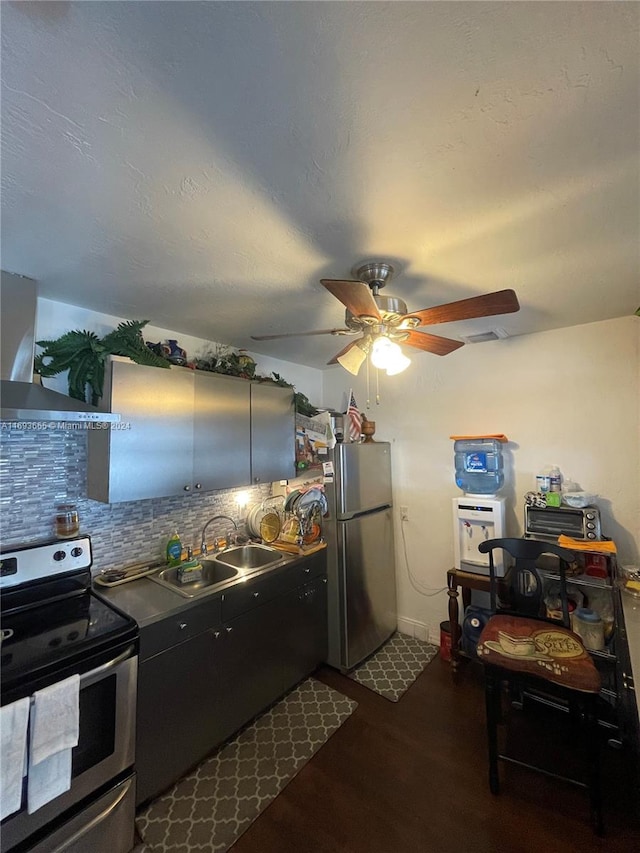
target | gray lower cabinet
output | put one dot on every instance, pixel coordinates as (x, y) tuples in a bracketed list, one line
[(206, 673), (251, 664), (305, 630), (177, 717)]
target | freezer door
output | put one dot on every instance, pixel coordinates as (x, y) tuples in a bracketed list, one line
[(369, 584), (363, 477)]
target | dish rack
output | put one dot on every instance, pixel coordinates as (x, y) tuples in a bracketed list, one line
[(272, 509), (302, 526)]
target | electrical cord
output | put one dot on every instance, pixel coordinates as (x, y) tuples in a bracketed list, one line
[(414, 583)]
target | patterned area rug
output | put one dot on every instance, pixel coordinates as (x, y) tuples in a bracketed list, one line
[(208, 810), (395, 666)]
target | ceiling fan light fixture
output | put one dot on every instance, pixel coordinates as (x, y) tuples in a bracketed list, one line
[(384, 352), (352, 359), (387, 355), (400, 363)]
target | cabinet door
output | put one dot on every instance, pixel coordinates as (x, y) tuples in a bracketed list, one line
[(305, 631), (149, 454), (251, 663), (178, 712), (272, 433), (221, 432)]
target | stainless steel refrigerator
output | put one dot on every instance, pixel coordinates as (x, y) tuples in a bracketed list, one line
[(360, 552)]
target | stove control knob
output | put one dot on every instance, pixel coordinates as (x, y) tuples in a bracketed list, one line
[(76, 552), (55, 642), (59, 555)]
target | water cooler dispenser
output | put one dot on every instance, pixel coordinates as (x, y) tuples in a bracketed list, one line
[(479, 514), (476, 519)]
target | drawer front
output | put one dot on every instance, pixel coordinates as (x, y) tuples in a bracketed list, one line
[(244, 597), (182, 626), (307, 568)]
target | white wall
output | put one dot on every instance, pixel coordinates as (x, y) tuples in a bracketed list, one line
[(56, 318), (568, 397)]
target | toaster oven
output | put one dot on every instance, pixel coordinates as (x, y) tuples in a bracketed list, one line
[(549, 522)]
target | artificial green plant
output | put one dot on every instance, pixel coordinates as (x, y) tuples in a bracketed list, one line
[(84, 355)]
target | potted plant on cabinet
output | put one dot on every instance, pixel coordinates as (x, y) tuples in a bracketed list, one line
[(84, 355)]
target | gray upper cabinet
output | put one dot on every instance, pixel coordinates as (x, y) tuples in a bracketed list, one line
[(272, 433), (149, 454), (221, 432), (183, 431)]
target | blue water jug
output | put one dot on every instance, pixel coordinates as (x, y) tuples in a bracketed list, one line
[(479, 468)]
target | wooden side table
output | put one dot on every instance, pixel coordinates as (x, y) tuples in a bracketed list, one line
[(466, 581)]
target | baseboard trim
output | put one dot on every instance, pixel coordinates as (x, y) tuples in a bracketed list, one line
[(419, 630)]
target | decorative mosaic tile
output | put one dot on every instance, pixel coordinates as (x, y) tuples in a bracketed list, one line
[(208, 810), (395, 666), (40, 469)]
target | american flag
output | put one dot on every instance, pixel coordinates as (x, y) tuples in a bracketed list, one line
[(355, 418)]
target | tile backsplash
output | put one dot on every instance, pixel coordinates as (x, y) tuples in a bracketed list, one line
[(41, 469)]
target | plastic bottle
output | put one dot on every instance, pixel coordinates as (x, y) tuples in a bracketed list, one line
[(543, 481), (174, 550), (555, 479), (479, 466)]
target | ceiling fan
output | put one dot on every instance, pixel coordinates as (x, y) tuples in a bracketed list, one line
[(383, 322)]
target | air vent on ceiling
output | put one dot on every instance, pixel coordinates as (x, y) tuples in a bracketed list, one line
[(481, 337)]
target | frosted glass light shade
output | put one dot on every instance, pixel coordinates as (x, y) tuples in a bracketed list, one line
[(352, 359), (400, 363), (383, 353), (387, 355)]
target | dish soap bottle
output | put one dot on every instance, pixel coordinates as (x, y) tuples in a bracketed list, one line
[(174, 550)]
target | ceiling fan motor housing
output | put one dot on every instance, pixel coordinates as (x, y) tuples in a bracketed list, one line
[(391, 308)]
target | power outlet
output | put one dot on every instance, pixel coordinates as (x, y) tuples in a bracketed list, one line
[(404, 513)]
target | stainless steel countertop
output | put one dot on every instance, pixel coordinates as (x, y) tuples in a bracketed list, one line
[(148, 602), (145, 601)]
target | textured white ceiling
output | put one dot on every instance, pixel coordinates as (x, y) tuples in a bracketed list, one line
[(203, 165)]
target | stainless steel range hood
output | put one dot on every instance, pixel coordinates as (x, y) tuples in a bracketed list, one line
[(20, 398)]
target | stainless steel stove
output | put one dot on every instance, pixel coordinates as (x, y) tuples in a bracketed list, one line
[(54, 626)]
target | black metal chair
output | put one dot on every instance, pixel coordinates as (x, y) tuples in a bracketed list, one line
[(534, 655)]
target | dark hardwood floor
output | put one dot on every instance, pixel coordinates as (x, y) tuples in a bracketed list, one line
[(411, 776)]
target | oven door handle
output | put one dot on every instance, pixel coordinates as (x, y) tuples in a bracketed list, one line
[(95, 821), (100, 670)]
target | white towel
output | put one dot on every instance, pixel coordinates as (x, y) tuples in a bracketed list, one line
[(55, 719), (55, 728), (13, 751), (48, 779)]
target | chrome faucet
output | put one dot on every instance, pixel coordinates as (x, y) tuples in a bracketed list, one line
[(203, 545)]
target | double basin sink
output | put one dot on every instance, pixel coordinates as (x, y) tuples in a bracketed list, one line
[(234, 563)]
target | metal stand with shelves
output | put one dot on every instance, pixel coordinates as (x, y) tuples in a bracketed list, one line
[(612, 662)]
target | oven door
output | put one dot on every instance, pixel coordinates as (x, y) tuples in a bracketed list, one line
[(105, 749), (548, 523)]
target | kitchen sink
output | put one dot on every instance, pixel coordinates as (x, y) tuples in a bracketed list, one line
[(220, 569), (249, 557), (213, 575)]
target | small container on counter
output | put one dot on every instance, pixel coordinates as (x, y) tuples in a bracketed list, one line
[(67, 521), (590, 627)]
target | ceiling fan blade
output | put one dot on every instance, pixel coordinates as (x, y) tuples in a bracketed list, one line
[(354, 295), (302, 334), (431, 343), (500, 302)]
